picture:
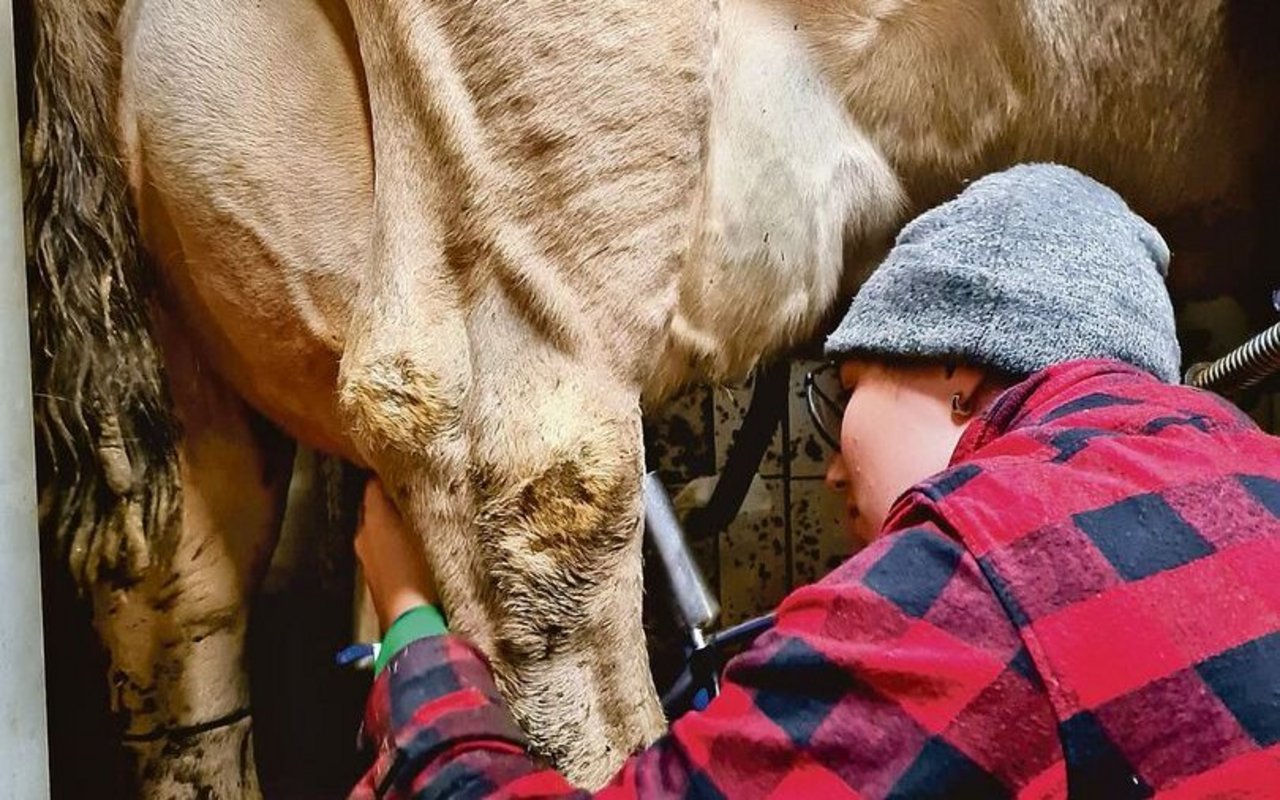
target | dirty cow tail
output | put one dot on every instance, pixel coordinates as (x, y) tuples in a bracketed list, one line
[(105, 433)]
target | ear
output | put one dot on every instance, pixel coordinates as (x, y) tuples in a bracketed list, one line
[(975, 385)]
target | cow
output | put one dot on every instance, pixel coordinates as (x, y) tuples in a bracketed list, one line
[(464, 244)]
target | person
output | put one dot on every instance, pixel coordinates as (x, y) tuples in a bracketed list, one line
[(1070, 586)]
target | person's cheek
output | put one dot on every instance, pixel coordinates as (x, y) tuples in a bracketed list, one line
[(856, 452), (878, 450)]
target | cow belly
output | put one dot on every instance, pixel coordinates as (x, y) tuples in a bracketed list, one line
[(245, 130), (789, 177)]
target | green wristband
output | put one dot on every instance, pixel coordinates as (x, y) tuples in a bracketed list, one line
[(417, 623)]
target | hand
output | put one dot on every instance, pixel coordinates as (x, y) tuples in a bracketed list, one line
[(395, 568)]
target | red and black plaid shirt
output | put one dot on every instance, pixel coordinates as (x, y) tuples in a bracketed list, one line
[(1086, 602)]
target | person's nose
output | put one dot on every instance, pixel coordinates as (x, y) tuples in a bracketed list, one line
[(837, 478)]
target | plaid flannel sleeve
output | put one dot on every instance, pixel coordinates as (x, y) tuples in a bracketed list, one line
[(898, 675)]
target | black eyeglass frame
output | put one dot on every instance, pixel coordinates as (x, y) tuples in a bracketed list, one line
[(814, 395)]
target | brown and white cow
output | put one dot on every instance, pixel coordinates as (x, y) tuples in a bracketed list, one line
[(461, 243)]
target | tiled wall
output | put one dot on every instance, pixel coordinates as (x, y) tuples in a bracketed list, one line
[(788, 532)]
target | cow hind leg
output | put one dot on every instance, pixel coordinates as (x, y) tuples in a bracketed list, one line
[(175, 639)]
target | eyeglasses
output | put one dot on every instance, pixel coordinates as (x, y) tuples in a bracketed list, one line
[(826, 411)]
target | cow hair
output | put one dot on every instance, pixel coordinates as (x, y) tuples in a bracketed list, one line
[(106, 438)]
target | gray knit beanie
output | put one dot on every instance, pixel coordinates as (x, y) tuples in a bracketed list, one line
[(1026, 268)]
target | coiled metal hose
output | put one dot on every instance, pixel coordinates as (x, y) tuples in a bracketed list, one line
[(1242, 368)]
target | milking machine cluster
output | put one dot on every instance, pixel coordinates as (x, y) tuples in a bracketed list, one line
[(694, 606)]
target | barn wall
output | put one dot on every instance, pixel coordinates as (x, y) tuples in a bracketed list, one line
[(24, 765)]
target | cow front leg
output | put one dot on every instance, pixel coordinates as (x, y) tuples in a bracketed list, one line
[(175, 639)]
